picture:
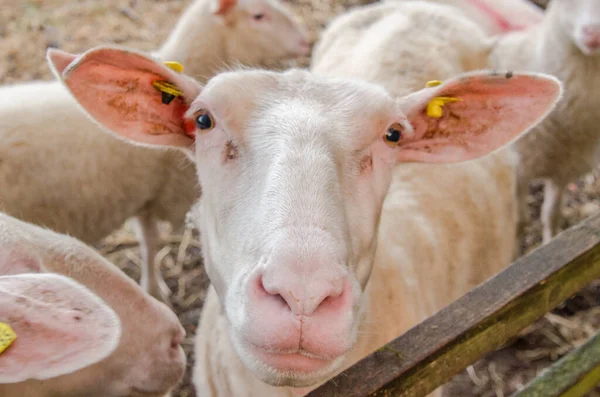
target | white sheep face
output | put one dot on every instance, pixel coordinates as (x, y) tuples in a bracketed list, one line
[(580, 19), (294, 178), (294, 169)]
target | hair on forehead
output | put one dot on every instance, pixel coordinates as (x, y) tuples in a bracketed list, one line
[(337, 94), (298, 81), (298, 101), (301, 105)]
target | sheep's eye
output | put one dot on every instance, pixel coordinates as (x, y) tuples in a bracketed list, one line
[(204, 120), (258, 17), (393, 134)]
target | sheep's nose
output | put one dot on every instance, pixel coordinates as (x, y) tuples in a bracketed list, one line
[(304, 299), (591, 36)]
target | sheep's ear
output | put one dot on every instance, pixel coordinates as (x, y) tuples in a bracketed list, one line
[(59, 60), (51, 325), (16, 259), (222, 7), (473, 115), (129, 93)]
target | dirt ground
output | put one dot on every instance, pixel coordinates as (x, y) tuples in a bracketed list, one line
[(28, 27)]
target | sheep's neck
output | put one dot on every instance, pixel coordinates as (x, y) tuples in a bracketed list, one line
[(197, 43)]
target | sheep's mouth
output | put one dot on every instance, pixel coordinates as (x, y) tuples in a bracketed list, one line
[(295, 369), (293, 361)]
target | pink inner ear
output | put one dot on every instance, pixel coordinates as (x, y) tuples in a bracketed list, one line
[(116, 88), (125, 99), (493, 110), (61, 327), (60, 59), (224, 6)]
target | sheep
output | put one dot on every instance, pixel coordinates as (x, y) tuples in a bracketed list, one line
[(565, 145), (294, 170), (497, 17), (121, 341), (58, 170)]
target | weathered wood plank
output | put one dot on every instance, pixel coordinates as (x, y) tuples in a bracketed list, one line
[(585, 385), (432, 352), (572, 376)]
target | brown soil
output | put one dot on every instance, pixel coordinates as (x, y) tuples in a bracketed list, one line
[(28, 27)]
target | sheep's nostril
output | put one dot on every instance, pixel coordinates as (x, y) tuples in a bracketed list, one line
[(281, 299), (273, 295), (178, 338)]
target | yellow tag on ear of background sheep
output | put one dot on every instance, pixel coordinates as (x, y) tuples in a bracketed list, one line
[(434, 107), (176, 66), (7, 337), (433, 83)]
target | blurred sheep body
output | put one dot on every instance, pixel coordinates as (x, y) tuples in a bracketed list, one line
[(59, 170), (496, 17), (147, 356), (566, 144)]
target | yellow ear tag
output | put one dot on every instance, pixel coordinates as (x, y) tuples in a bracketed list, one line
[(169, 91), (433, 83), (7, 337), (167, 88), (435, 106), (176, 66)]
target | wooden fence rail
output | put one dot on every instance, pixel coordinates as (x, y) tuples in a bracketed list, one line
[(572, 376), (432, 352)]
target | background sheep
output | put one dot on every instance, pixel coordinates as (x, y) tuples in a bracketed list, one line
[(496, 17), (565, 146), (61, 309), (139, 358)]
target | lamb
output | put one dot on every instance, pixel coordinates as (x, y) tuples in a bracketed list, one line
[(59, 170), (294, 169), (121, 341), (566, 144)]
